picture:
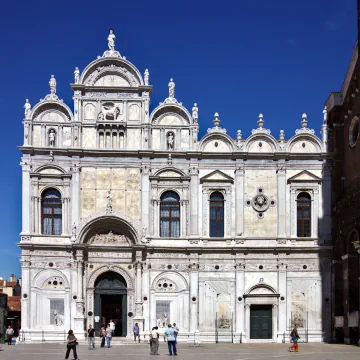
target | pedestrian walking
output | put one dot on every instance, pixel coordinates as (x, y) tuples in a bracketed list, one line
[(91, 337), (102, 336), (109, 333), (294, 337), (112, 327), (9, 334), (176, 332), (71, 344), (154, 342), (136, 330), (169, 336)]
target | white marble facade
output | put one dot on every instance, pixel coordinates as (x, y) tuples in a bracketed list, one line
[(111, 159)]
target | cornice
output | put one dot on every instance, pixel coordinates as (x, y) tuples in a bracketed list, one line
[(174, 154)]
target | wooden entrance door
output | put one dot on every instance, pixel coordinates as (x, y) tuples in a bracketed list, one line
[(111, 302), (261, 322)]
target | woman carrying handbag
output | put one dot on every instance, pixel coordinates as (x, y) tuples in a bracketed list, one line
[(71, 344)]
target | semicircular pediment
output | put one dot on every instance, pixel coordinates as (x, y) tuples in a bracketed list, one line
[(111, 80), (111, 72), (109, 238)]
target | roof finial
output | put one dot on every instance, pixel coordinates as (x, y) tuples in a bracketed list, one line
[(282, 136), (304, 121), (260, 122), (238, 135), (216, 121), (111, 40), (325, 114), (27, 107), (76, 75), (111, 45), (171, 89), (52, 84), (195, 113), (146, 77)]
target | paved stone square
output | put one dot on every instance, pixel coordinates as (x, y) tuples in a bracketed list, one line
[(208, 352)]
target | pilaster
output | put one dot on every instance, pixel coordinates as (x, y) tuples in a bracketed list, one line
[(26, 168), (194, 200), (239, 201), (239, 301), (194, 296), (281, 203)]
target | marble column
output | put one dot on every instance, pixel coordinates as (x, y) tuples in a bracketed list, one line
[(26, 225), (162, 139), (281, 203), (246, 336), (239, 301), (194, 296), (138, 290), (25, 291), (43, 136), (63, 216), (145, 196), (194, 200), (275, 321), (146, 295), (75, 196), (239, 201), (79, 319), (282, 286), (39, 217)]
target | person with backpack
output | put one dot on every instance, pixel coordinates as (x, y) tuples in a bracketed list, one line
[(294, 337)]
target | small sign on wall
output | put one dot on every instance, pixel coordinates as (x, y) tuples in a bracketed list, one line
[(97, 318)]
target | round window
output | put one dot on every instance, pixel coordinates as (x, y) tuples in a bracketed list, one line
[(354, 131)]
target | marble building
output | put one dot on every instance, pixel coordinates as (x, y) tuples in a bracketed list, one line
[(128, 215)]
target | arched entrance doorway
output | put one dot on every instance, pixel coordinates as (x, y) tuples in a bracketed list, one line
[(111, 302)]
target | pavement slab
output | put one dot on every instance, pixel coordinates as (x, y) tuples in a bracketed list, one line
[(185, 351)]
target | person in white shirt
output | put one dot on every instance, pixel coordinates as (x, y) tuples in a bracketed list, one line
[(112, 327), (154, 342), (108, 335)]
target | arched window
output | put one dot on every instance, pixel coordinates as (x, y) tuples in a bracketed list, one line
[(170, 214), (304, 215), (51, 212), (216, 215)]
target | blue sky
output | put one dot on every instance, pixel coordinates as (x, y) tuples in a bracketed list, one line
[(238, 57)]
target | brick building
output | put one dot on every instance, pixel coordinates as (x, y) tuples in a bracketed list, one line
[(343, 120)]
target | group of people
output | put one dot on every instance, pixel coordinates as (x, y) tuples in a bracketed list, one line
[(170, 336)]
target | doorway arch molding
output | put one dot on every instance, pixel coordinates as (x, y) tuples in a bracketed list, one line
[(106, 268), (90, 293)]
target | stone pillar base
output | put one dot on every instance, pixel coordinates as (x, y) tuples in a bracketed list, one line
[(79, 327)]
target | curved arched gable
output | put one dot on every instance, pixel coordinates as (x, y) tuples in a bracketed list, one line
[(217, 142), (304, 143), (170, 115), (260, 142), (98, 73)]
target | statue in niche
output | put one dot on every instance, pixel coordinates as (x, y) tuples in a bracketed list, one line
[(170, 141), (110, 111), (27, 108), (171, 89), (52, 137), (77, 75), (111, 40), (109, 204), (163, 321), (52, 84), (58, 319), (146, 77)]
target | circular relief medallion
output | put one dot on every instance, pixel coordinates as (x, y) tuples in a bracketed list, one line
[(260, 203)]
